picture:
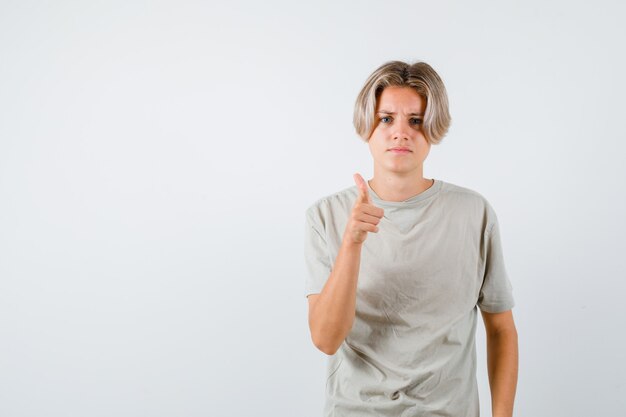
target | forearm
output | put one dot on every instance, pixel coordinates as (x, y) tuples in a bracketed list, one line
[(333, 315), (502, 363)]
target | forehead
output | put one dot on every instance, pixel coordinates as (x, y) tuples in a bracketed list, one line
[(405, 99)]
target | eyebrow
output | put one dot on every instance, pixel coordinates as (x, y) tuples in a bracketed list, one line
[(390, 112)]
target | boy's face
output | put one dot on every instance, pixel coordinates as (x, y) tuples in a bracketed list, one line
[(397, 127)]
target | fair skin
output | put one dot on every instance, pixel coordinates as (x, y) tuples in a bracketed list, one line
[(398, 176)]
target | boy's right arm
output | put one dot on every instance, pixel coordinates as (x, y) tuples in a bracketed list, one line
[(332, 311)]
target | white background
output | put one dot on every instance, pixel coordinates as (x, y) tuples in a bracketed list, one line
[(156, 159)]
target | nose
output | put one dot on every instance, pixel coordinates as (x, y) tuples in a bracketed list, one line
[(401, 133)]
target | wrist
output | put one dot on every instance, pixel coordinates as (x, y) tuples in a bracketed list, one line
[(348, 243)]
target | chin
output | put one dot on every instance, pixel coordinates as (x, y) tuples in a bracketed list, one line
[(401, 170)]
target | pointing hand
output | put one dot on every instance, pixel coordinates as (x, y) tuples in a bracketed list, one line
[(365, 216)]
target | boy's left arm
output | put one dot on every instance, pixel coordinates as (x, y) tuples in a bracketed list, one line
[(502, 361)]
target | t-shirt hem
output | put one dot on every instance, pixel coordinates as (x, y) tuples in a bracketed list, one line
[(310, 291), (501, 308)]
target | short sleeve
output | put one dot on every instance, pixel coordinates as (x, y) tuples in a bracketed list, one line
[(496, 292), (316, 255)]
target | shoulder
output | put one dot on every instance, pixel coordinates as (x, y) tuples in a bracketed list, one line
[(460, 192), (323, 207), (470, 200)]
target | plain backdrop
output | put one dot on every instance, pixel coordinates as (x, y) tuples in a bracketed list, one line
[(156, 159)]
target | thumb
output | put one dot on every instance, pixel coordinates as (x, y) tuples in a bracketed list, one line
[(364, 194)]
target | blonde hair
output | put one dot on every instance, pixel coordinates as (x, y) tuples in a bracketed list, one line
[(423, 79)]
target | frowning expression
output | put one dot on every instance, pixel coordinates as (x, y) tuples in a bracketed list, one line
[(398, 143)]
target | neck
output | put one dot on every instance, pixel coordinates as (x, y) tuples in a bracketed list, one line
[(392, 187)]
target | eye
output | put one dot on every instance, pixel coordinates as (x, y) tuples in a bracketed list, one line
[(382, 119), (417, 121)]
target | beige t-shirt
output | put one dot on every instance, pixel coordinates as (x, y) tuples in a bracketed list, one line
[(411, 351)]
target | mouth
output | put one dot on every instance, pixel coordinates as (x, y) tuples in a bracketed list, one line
[(400, 150)]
